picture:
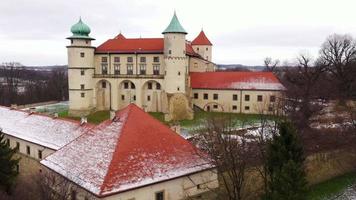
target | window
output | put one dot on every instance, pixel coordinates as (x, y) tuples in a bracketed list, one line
[(206, 96), (116, 59), (82, 94), (134, 97), (270, 108), (82, 72), (178, 88), (169, 51), (82, 54), (126, 85), (143, 69), (116, 69), (82, 86), (198, 48), (216, 96), (132, 86), (206, 48), (71, 41), (234, 97), (247, 107), (129, 59), (18, 146), (156, 69), (272, 99), (158, 86), (130, 69), (149, 86), (156, 59), (143, 59), (234, 107), (148, 98), (103, 84), (159, 196), (259, 98), (123, 97), (104, 68), (86, 42), (17, 168), (215, 106), (39, 154), (247, 97), (178, 73), (28, 150), (73, 195), (196, 96), (104, 59)]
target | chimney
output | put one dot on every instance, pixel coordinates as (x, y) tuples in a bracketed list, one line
[(176, 128), (83, 120)]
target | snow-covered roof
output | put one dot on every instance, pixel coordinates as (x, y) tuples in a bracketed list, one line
[(130, 151), (43, 130), (235, 81)]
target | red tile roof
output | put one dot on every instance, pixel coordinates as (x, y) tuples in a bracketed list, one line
[(120, 44), (131, 151), (201, 39), (235, 80)]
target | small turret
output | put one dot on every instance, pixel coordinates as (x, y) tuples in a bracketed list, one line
[(202, 45)]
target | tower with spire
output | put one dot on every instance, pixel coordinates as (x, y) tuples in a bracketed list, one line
[(203, 46), (80, 70)]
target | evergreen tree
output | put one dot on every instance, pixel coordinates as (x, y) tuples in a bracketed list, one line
[(8, 165), (285, 165)]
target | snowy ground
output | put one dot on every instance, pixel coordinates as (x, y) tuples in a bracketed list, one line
[(348, 194)]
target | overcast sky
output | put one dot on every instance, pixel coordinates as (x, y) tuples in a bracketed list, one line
[(242, 31)]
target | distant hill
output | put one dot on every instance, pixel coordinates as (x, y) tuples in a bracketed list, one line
[(239, 67)]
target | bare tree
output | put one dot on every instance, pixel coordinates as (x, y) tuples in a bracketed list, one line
[(338, 54), (270, 64)]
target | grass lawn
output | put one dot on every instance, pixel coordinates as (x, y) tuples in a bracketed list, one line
[(331, 187), (95, 118)]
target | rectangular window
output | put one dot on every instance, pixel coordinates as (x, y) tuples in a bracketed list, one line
[(247, 97), (156, 59), (156, 69), (234, 97), (123, 97), (17, 168), (272, 99), (134, 97), (126, 85), (116, 69), (104, 59), (103, 84), (117, 59), (159, 195), (18, 146), (247, 107), (259, 98), (148, 98), (130, 69), (142, 59), (28, 150), (142, 69), (82, 54), (104, 68), (129, 59), (196, 96), (82, 72), (234, 107), (169, 51), (216, 96), (149, 86), (39, 154), (82, 86), (215, 106), (158, 86), (206, 96), (132, 85), (82, 94)]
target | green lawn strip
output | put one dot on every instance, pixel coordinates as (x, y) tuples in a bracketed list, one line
[(95, 118), (331, 187)]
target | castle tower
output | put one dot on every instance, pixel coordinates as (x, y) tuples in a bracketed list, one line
[(174, 57), (176, 72), (203, 46), (80, 70)]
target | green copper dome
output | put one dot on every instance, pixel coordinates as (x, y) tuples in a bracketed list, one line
[(80, 31), (174, 26)]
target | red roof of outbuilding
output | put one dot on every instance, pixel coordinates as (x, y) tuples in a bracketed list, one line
[(201, 39), (120, 44), (235, 80), (131, 151)]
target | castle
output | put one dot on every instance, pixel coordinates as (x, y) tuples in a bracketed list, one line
[(169, 75)]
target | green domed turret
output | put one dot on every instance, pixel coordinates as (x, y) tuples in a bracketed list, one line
[(174, 26), (80, 31)]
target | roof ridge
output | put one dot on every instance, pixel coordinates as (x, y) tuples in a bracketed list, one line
[(128, 112)]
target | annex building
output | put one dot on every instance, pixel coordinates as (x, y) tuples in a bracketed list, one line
[(168, 74)]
